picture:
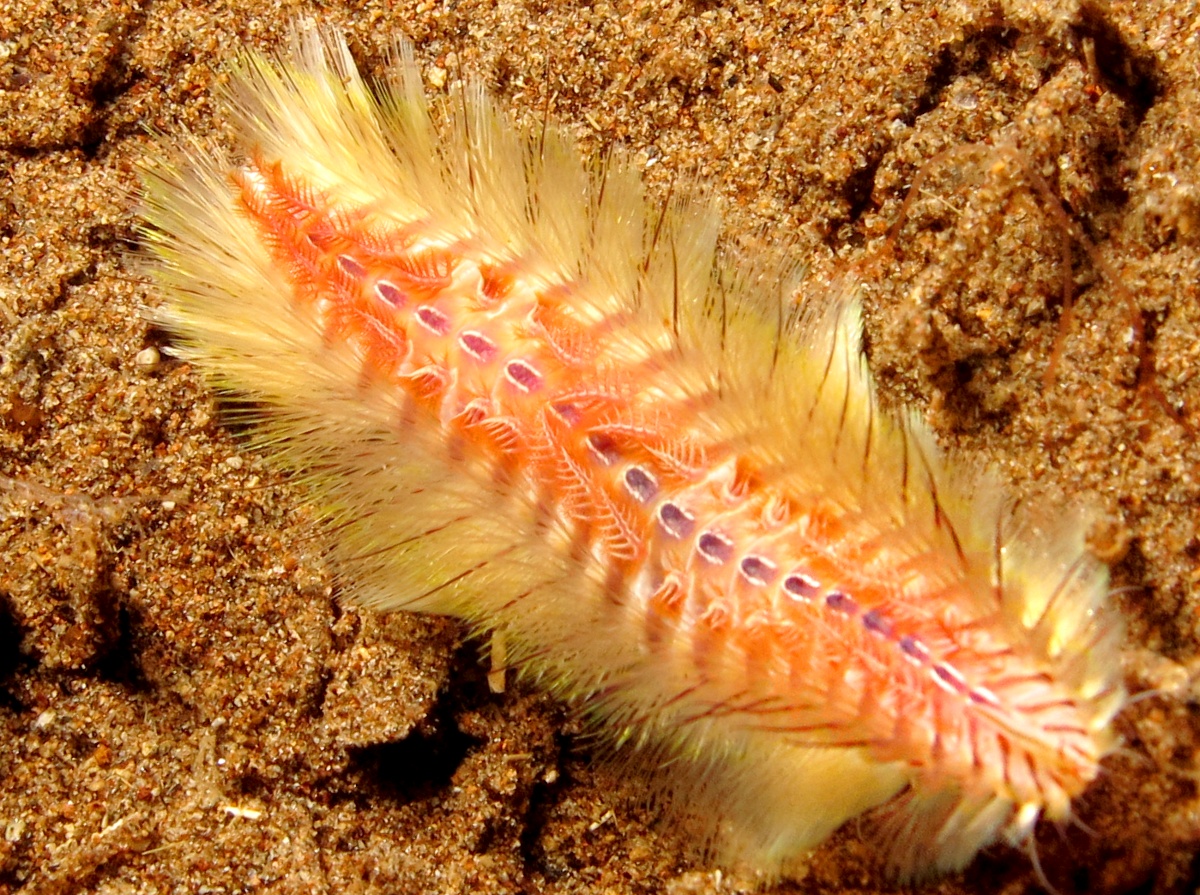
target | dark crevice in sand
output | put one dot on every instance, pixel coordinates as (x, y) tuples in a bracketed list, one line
[(1127, 70), (420, 766)]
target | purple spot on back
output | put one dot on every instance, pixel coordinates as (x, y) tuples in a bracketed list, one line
[(433, 320), (758, 570), (677, 521), (840, 602), (715, 547), (568, 413), (351, 267), (477, 345), (522, 375), (640, 484), (801, 586), (389, 294), (873, 621), (602, 448), (914, 649), (950, 677), (984, 696)]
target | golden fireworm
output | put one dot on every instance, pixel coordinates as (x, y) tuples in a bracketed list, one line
[(526, 397)]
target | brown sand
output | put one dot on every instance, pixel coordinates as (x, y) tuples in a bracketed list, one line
[(183, 706)]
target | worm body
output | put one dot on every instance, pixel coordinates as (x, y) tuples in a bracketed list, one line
[(527, 398)]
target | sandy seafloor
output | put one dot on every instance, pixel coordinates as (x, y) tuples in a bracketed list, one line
[(185, 706)]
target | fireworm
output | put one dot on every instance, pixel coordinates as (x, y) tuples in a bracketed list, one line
[(525, 397)]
